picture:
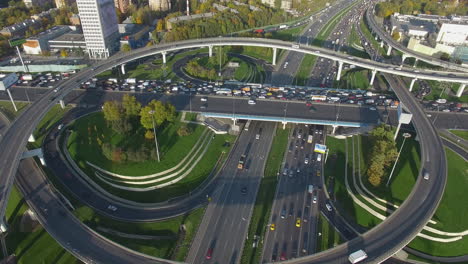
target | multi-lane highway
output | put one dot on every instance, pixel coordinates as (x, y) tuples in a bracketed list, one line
[(221, 235)]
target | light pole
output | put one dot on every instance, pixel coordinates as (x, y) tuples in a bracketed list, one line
[(405, 135), (154, 131)]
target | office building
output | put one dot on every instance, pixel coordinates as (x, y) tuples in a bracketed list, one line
[(122, 5), (100, 30)]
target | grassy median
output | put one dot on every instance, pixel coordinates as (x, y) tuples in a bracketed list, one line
[(328, 236), (265, 196)]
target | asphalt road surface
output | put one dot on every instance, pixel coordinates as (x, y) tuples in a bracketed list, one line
[(220, 238)]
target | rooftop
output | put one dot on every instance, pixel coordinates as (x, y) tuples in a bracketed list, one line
[(70, 37)]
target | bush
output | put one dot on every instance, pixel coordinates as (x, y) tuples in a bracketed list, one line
[(184, 130)]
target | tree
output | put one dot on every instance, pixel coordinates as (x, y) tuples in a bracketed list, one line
[(184, 130), (130, 106), (63, 53), (161, 112), (112, 111), (149, 135), (396, 35), (126, 48), (161, 26)]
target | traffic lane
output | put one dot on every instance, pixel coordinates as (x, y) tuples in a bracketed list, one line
[(459, 150), (63, 226)]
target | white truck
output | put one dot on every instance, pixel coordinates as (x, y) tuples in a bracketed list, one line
[(131, 80), (357, 256), (27, 77), (283, 26)]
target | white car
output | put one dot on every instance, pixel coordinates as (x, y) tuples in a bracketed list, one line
[(306, 161), (329, 208), (112, 208), (204, 99), (426, 175), (252, 102)]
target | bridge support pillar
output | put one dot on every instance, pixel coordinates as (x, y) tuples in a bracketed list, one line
[(372, 77), (412, 84), (284, 124), (273, 62), (31, 138), (122, 68), (415, 62), (210, 51), (164, 56), (340, 67), (461, 89), (62, 103), (381, 43), (334, 129), (389, 51), (403, 58)]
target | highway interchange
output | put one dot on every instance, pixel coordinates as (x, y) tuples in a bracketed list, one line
[(380, 243)]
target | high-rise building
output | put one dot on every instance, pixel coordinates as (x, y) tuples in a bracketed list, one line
[(122, 5), (160, 5), (63, 3), (100, 27)]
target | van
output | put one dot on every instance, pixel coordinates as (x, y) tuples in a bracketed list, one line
[(310, 189), (319, 157), (426, 175)]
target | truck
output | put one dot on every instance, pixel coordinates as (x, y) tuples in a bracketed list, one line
[(27, 77), (130, 80), (309, 139), (240, 165), (357, 256), (283, 27)]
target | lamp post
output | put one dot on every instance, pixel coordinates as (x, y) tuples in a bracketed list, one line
[(405, 135), (154, 131)]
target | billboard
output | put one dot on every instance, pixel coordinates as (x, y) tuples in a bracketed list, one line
[(320, 148), (7, 80)]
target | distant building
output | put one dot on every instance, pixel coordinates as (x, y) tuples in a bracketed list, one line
[(38, 44), (412, 26), (63, 3), (122, 5), (19, 29), (68, 41), (453, 34), (160, 5), (33, 3), (171, 21), (285, 4), (99, 23)]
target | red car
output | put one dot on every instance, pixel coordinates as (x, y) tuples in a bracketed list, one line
[(283, 256), (209, 253), (308, 104)]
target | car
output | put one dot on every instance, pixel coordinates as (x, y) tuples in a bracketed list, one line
[(426, 175), (209, 253), (298, 222), (283, 213), (314, 198), (306, 161), (204, 99), (372, 108), (112, 208), (257, 136), (318, 173), (244, 190), (272, 227), (319, 157), (60, 126), (203, 106), (283, 256), (329, 208), (252, 102)]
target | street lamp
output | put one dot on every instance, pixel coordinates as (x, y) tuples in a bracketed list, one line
[(154, 131), (405, 135)]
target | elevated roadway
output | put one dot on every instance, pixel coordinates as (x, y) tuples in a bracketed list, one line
[(384, 36), (380, 243)]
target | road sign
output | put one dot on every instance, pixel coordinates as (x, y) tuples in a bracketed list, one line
[(320, 148), (16, 42)]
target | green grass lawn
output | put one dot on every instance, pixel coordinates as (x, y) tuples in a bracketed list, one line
[(51, 118), (7, 109), (354, 42), (365, 30), (439, 90), (355, 79), (289, 34), (452, 212), (31, 247), (302, 75), (165, 248), (265, 196), (329, 237), (83, 145), (191, 116), (461, 133)]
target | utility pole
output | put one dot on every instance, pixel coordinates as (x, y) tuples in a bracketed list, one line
[(154, 131), (405, 135)]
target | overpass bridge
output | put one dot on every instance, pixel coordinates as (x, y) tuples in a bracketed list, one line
[(380, 243)]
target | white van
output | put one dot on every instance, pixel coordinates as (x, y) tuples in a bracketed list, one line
[(310, 189), (319, 157)]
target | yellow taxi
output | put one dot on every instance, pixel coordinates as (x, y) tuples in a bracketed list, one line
[(298, 222), (272, 227)]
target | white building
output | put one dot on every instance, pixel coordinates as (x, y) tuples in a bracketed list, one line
[(99, 23), (453, 34)]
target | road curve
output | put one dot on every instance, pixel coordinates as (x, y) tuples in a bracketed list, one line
[(380, 242)]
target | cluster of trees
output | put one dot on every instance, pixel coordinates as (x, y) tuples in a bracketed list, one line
[(432, 7), (126, 118), (382, 154), (225, 22), (196, 70)]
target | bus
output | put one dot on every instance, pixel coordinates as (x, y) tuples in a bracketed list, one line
[(246, 127), (309, 139)]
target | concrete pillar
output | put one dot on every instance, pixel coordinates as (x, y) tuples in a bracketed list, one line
[(122, 68), (274, 56), (62, 103), (403, 58), (372, 77), (415, 62), (461, 89), (340, 67), (11, 99), (389, 51), (164, 56), (31, 138), (284, 124), (412, 84), (334, 129), (210, 51)]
